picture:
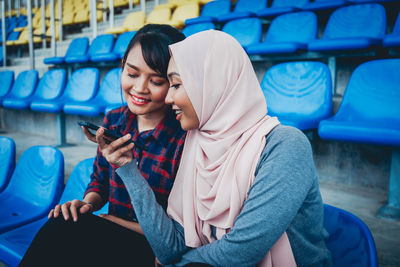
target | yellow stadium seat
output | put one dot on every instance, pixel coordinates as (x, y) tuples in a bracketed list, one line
[(82, 16), (23, 39), (133, 22), (183, 13), (159, 16), (48, 32), (20, 29), (68, 17), (172, 4)]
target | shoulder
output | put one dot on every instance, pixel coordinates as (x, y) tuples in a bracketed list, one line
[(286, 138), (116, 116)]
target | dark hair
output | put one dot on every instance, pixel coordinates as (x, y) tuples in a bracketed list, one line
[(154, 40)]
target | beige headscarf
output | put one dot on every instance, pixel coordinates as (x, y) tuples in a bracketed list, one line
[(220, 157)]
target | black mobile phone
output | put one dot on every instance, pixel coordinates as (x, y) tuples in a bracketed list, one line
[(110, 134)]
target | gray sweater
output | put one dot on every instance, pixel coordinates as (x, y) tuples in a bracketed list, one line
[(284, 197)]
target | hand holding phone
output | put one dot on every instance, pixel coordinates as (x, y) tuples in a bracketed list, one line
[(111, 136)]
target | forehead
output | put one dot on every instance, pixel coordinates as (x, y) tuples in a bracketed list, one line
[(172, 66), (135, 57)]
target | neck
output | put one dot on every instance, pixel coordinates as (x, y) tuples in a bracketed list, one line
[(150, 121)]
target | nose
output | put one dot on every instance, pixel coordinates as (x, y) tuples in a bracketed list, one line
[(168, 98), (141, 86)]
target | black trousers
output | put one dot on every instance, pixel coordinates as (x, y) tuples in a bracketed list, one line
[(92, 241)]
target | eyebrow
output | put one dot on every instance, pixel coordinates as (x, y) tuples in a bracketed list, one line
[(173, 74), (138, 69)]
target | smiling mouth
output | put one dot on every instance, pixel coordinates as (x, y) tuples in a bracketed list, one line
[(139, 100), (178, 111)]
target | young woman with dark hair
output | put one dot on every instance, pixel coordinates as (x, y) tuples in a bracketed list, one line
[(75, 237)]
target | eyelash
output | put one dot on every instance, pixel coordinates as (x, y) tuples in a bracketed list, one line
[(176, 86), (135, 76)]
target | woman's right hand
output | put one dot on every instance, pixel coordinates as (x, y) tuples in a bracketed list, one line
[(70, 209)]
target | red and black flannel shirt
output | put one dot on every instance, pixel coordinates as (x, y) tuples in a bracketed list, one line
[(158, 164)]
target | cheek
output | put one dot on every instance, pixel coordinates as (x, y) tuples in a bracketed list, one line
[(159, 95)]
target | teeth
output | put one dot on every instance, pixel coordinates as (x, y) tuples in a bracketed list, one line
[(140, 100), (177, 112)]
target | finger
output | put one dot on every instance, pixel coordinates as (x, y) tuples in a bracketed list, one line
[(85, 209), (120, 141), (50, 214), (74, 212), (57, 211), (100, 138), (64, 210), (88, 134)]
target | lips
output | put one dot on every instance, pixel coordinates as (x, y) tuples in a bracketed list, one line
[(137, 100)]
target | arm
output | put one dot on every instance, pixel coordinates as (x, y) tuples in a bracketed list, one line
[(134, 226), (165, 236), (284, 177)]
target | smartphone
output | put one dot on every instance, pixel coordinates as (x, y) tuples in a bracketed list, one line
[(111, 135)]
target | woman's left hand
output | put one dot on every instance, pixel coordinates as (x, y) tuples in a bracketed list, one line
[(114, 152)]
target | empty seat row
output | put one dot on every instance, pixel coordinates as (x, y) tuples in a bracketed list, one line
[(101, 49), (297, 31), (350, 241), (220, 10), (36, 186), (80, 95)]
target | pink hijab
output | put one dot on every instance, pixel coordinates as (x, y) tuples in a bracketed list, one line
[(220, 157)]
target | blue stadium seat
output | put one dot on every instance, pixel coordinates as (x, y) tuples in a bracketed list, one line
[(101, 45), (198, 27), (288, 33), (7, 159), (118, 51), (34, 188), (23, 88), (50, 86), (298, 93), (6, 83), (122, 43), (350, 241), (370, 110), (246, 31), (345, 31), (244, 9), (393, 39), (323, 5), (370, 1), (211, 12), (13, 36), (76, 53), (279, 7), (14, 243), (82, 86), (109, 94)]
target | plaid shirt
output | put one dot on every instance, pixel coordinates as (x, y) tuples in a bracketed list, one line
[(158, 164)]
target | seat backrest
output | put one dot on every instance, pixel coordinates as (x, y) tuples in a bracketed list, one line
[(247, 31), (52, 84), (135, 20), (13, 36), (7, 159), (159, 16), (302, 87), (370, 21), (396, 28), (250, 5), (350, 241), (185, 12), (7, 81), (216, 8), (298, 27), (122, 43), (102, 44), (286, 3), (78, 47), (38, 177), (25, 84), (78, 181), (372, 94), (110, 89), (197, 27), (82, 85)]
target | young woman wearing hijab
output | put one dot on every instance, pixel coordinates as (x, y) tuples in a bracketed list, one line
[(146, 119), (246, 191)]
